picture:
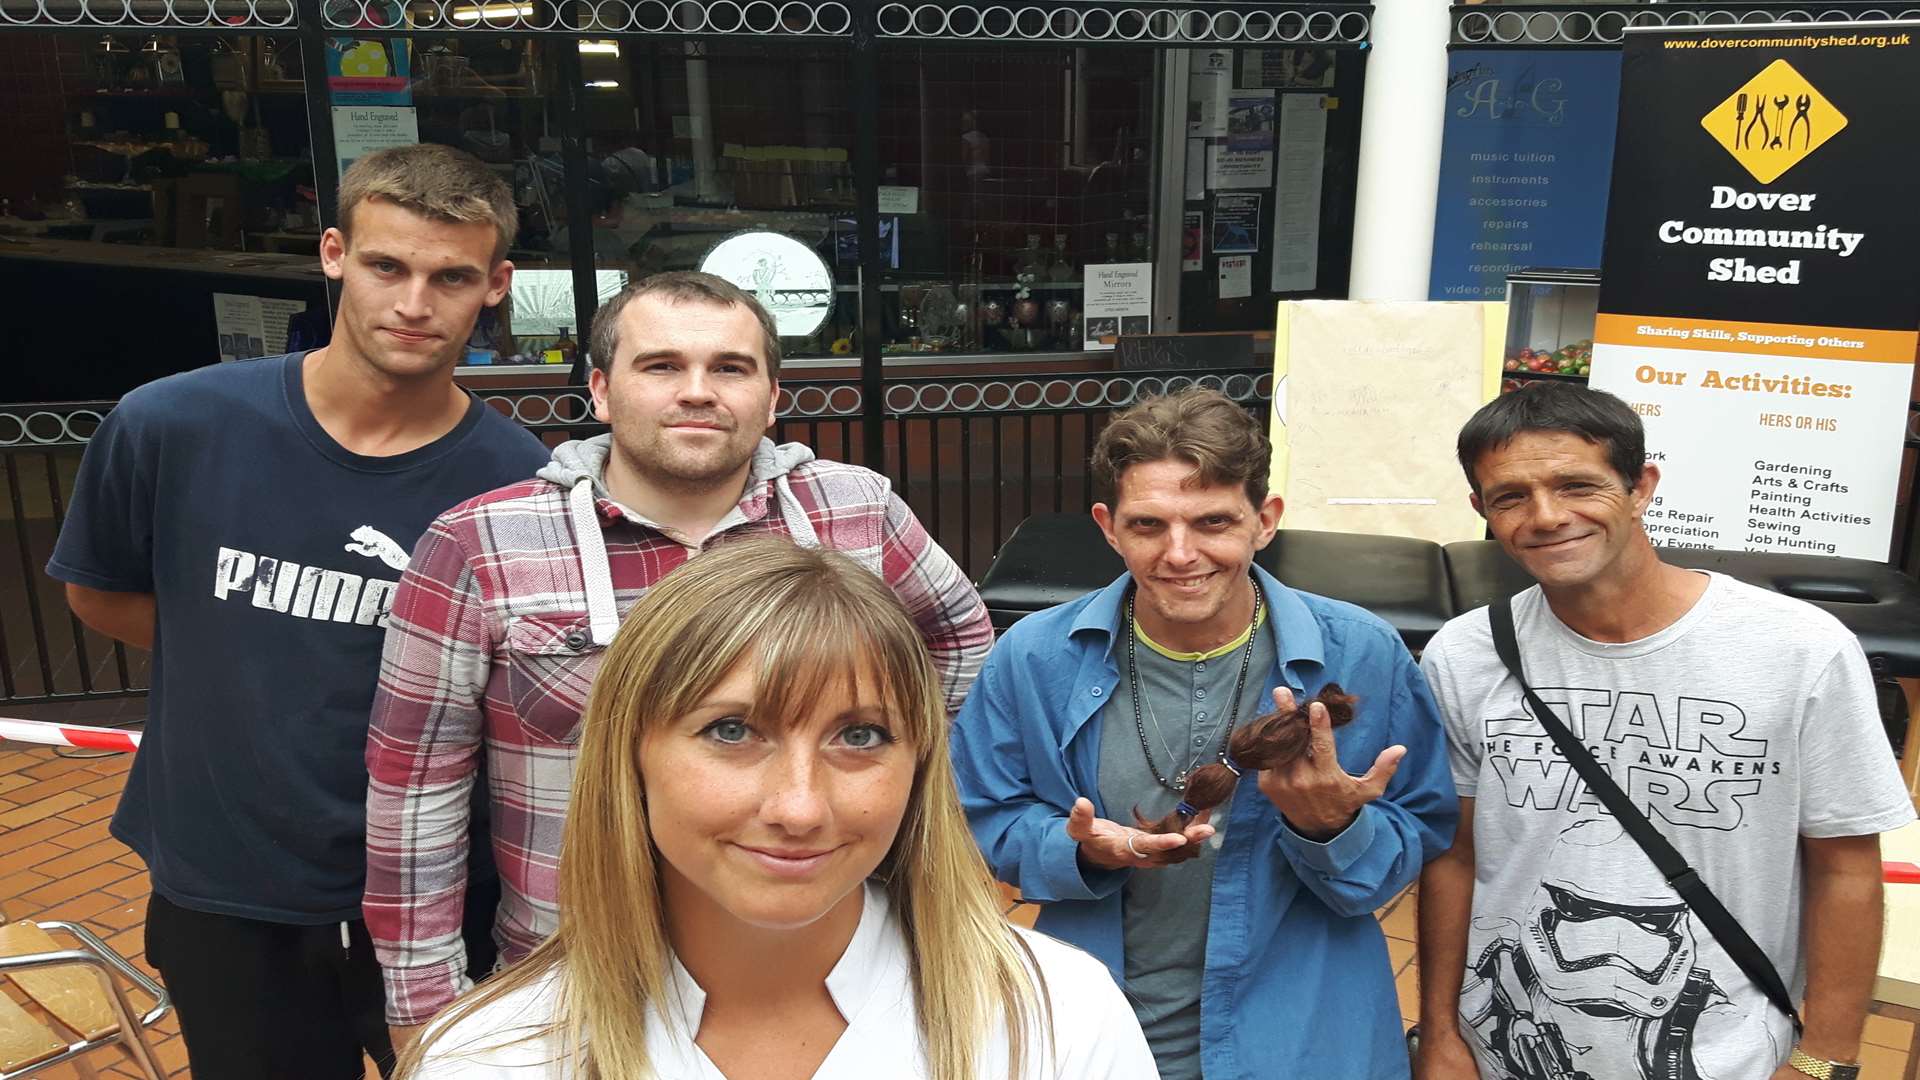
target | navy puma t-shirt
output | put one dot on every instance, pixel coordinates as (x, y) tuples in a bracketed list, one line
[(273, 553)]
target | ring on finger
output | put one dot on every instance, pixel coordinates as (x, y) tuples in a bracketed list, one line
[(1137, 853)]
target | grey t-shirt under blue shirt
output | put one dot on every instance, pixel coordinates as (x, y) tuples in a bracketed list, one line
[(1188, 702)]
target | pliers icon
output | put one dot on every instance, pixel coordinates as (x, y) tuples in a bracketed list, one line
[(1759, 120), (1802, 105)]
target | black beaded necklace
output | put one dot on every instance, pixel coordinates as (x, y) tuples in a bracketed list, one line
[(1179, 782)]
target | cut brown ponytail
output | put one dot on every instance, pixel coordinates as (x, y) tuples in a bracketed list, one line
[(1266, 742)]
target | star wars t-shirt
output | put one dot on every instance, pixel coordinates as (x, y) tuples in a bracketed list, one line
[(1745, 725), (273, 553)]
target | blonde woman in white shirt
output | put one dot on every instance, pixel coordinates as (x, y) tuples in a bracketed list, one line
[(766, 873)]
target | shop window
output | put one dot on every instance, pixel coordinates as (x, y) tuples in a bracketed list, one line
[(693, 144), (170, 172), (1007, 172), (175, 141)]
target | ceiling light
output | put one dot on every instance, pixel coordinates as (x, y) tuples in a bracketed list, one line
[(604, 84), (493, 11), (605, 48)]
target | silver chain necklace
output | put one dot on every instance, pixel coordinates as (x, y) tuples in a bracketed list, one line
[(1179, 781), (1160, 734)]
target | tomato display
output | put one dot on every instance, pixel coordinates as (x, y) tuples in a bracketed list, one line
[(1575, 359)]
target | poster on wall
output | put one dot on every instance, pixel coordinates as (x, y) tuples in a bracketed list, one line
[(1209, 85), (1119, 301), (360, 130), (1250, 120), (1193, 240), (1236, 277), (1288, 69), (1296, 200), (252, 326), (899, 200), (369, 71), (1759, 299), (1236, 223), (1244, 158), (1525, 154), (1230, 168)]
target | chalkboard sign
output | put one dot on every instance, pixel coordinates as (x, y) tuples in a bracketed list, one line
[(1176, 351)]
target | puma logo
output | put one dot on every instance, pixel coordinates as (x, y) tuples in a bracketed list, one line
[(375, 544)]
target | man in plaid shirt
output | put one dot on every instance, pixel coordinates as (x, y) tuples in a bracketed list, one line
[(511, 598)]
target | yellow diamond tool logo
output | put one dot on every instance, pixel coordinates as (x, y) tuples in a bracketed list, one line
[(1773, 122)]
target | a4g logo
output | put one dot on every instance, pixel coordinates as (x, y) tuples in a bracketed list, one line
[(1540, 101)]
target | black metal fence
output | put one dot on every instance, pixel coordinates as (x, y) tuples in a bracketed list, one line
[(46, 655), (973, 457)]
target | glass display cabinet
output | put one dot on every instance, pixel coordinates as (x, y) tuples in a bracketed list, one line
[(1550, 316)]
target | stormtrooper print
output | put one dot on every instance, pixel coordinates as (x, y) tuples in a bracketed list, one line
[(1601, 979)]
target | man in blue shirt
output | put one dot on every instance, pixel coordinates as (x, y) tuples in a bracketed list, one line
[(1258, 954), (249, 523)]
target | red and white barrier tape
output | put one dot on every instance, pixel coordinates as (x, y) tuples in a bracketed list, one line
[(41, 733)]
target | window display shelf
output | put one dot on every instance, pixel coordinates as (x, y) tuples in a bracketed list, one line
[(1550, 318)]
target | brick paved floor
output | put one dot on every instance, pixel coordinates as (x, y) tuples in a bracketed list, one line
[(57, 862)]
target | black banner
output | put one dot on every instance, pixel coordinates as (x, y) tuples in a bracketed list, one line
[(1768, 175)]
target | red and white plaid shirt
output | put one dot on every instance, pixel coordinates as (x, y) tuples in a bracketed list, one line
[(489, 645)]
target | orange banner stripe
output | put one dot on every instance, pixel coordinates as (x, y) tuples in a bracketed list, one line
[(1764, 339)]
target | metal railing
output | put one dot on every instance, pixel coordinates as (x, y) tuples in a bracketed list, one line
[(46, 655), (1535, 24), (1179, 23), (972, 456)]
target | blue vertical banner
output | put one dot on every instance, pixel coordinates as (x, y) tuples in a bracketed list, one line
[(1524, 166)]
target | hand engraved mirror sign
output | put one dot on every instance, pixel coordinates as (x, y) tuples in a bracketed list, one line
[(788, 278)]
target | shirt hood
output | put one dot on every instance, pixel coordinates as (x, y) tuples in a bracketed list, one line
[(586, 459), (579, 468)]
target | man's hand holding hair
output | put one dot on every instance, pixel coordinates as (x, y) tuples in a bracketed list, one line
[(1110, 845), (1315, 795)]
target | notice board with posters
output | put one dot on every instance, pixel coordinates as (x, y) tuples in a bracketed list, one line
[(1759, 296)]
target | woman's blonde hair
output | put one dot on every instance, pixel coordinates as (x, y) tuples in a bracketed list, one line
[(809, 619)]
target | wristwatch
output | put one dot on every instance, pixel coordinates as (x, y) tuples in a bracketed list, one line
[(1824, 1070)]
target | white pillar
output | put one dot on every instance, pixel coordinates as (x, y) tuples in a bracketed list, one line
[(1399, 172)]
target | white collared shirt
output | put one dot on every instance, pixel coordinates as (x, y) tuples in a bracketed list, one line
[(1095, 1035)]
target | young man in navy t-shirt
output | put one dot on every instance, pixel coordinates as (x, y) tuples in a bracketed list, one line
[(248, 523)]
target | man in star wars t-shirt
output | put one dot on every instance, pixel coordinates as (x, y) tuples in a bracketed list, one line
[(1742, 723)]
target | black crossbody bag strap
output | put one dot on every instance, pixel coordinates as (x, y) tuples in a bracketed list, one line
[(1672, 865)]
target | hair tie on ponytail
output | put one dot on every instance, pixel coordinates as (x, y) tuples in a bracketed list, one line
[(1265, 742)]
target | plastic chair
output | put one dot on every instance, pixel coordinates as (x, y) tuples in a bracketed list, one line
[(95, 1009)]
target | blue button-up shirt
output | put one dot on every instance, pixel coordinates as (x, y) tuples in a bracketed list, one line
[(1297, 982)]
